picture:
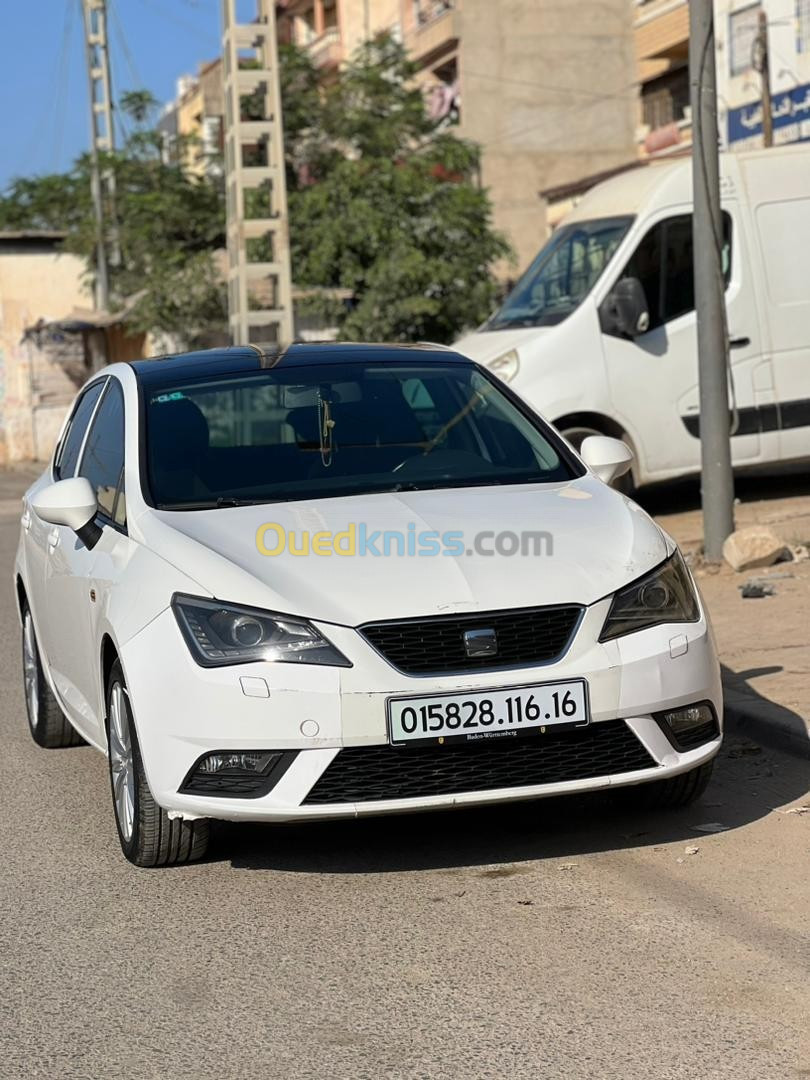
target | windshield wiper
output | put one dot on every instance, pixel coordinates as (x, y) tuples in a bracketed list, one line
[(223, 502)]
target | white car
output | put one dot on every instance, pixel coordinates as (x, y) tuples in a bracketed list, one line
[(344, 580)]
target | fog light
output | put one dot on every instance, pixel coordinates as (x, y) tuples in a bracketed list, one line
[(689, 726), (691, 716), (249, 762)]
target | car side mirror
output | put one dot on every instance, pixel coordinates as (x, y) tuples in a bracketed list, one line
[(73, 503), (624, 310), (607, 458)]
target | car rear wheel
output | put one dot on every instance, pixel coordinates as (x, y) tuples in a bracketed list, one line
[(49, 725), (669, 794), (149, 837)]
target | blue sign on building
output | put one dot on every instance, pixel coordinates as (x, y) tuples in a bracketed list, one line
[(791, 117)]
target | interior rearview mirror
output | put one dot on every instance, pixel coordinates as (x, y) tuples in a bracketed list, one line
[(608, 458), (72, 503), (624, 310)]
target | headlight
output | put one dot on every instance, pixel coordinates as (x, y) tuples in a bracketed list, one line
[(507, 366), (219, 634), (664, 596)]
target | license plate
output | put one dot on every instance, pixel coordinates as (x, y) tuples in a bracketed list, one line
[(506, 713)]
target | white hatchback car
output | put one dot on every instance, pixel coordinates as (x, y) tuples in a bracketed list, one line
[(344, 580)]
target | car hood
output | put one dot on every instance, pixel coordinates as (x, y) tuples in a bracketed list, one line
[(484, 346), (594, 541)]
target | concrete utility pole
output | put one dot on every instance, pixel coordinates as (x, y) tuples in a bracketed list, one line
[(762, 65), (102, 140), (259, 289), (712, 335)]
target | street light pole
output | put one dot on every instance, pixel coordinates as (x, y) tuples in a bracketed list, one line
[(717, 491)]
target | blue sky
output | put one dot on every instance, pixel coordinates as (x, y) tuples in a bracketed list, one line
[(43, 87)]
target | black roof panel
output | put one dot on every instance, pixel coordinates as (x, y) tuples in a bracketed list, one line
[(244, 358)]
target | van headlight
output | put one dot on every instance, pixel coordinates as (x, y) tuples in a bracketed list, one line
[(664, 596), (219, 634), (507, 366)]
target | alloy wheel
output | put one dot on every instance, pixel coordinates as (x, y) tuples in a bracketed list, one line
[(30, 669), (122, 763)]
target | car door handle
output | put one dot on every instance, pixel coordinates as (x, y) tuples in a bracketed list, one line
[(739, 342), (53, 539), (25, 520)]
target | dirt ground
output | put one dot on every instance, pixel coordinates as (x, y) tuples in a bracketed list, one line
[(764, 643)]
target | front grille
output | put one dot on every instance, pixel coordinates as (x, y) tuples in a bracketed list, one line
[(435, 644), (369, 773)]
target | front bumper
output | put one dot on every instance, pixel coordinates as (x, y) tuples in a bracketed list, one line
[(183, 711)]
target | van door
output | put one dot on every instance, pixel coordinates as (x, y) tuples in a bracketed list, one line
[(653, 378), (782, 231)]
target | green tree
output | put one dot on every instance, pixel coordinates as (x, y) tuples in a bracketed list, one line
[(169, 224), (386, 205)]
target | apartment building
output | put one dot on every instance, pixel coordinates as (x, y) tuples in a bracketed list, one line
[(739, 83), (197, 112), (662, 59), (546, 96)]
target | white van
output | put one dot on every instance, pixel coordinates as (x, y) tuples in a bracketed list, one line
[(574, 338)]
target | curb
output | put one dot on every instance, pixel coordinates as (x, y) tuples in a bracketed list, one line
[(771, 725)]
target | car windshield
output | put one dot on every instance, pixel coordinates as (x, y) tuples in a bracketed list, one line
[(562, 275), (309, 432)]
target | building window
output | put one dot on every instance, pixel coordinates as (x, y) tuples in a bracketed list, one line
[(330, 14), (664, 100), (305, 27), (743, 27), (803, 26)]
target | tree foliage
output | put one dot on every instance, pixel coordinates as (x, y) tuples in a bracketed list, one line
[(382, 203), (168, 225), (386, 205)]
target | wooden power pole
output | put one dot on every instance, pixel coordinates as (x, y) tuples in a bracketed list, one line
[(762, 64), (259, 282)]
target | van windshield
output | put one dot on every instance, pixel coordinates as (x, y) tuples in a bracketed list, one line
[(562, 275)]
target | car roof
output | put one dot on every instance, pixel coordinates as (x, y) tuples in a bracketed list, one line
[(236, 359)]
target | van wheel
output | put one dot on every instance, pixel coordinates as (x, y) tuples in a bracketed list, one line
[(577, 436), (669, 794), (49, 725), (149, 837)]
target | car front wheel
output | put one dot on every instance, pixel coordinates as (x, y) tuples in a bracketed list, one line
[(49, 725), (149, 837)]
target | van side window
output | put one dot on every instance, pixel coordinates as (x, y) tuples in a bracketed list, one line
[(662, 262)]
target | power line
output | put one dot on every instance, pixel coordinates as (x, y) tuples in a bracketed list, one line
[(182, 23), (62, 83)]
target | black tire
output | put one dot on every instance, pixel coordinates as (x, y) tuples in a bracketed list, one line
[(669, 794), (49, 726), (149, 837), (577, 436)]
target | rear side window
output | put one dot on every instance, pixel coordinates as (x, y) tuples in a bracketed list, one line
[(663, 264), (68, 455), (103, 458)]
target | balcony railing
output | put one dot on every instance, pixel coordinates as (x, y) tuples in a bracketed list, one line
[(427, 11)]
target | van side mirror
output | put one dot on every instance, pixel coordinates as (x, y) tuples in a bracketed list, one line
[(624, 310), (72, 503), (607, 458)]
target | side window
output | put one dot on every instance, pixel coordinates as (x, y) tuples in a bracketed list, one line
[(103, 458), (68, 454), (663, 264)]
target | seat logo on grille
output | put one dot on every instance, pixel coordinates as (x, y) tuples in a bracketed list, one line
[(479, 643)]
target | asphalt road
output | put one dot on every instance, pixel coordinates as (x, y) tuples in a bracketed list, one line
[(564, 939)]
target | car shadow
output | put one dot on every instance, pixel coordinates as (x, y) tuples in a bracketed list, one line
[(765, 720), (749, 782)]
